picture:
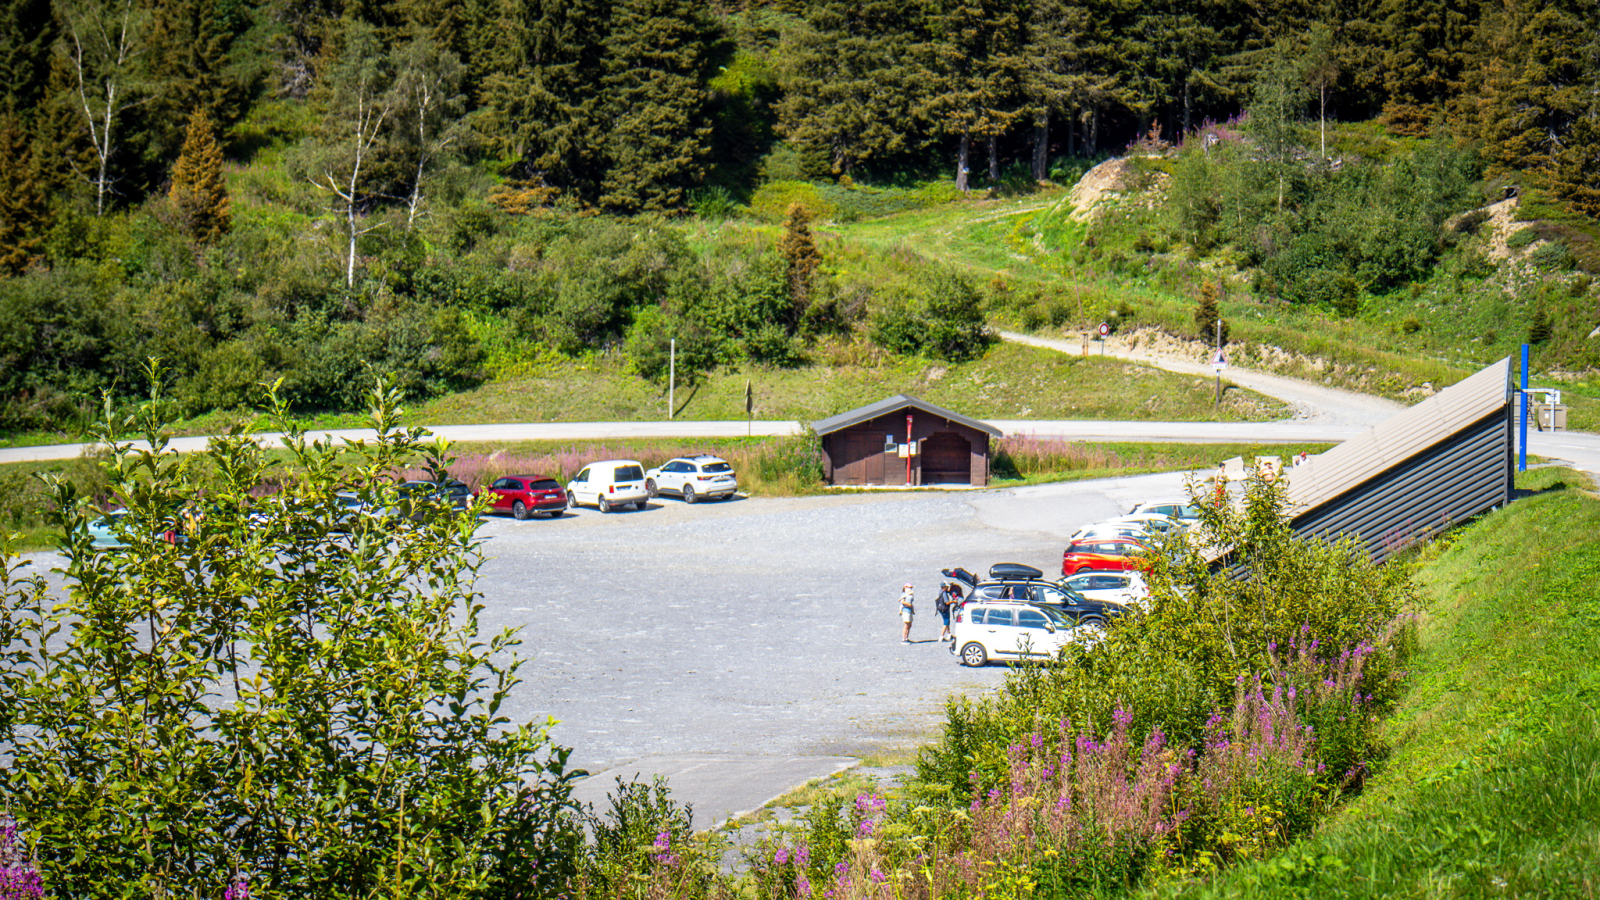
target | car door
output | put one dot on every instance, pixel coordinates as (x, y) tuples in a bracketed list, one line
[(580, 489), (676, 476), (1034, 634), (999, 631), (498, 499)]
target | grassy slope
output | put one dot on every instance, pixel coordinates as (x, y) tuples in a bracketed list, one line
[(1494, 787), (1027, 242)]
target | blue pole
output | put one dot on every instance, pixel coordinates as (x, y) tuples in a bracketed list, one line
[(1522, 425)]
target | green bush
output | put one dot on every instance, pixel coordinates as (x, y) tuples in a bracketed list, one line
[(358, 752), (1522, 237)]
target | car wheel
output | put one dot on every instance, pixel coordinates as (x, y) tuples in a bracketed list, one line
[(572, 499), (650, 488), (974, 655), (1092, 621), (519, 511), (640, 505), (688, 493), (603, 503)]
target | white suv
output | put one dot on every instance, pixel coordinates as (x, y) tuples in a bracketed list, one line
[(985, 631), (693, 477), (609, 484)]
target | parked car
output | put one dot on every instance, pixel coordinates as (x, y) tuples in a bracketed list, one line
[(1136, 525), (1002, 629), (693, 477), (1122, 588), (1109, 553), (608, 484), (1182, 510), (1025, 584), (418, 496), (102, 531), (525, 495)]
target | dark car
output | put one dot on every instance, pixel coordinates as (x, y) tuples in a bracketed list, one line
[(1026, 584), (418, 496), (1109, 554), (525, 495)]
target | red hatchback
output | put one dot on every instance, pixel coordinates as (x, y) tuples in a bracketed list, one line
[(524, 495), (1104, 553)]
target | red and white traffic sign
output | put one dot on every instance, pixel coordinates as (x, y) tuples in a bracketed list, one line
[(1105, 329)]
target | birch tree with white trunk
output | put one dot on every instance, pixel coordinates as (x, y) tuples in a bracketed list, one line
[(103, 44)]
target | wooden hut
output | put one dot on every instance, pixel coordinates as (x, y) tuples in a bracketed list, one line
[(904, 441)]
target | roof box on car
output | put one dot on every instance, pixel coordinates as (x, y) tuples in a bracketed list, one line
[(1013, 572)]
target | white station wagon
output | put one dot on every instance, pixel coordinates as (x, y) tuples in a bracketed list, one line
[(987, 631), (609, 484)]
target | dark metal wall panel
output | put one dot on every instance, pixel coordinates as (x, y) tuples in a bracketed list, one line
[(1450, 482)]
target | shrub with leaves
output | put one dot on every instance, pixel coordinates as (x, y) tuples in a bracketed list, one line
[(261, 687)]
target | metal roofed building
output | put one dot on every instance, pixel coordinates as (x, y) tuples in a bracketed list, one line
[(904, 441), (1422, 471)]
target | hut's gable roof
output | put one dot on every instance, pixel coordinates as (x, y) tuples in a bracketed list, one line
[(895, 404)]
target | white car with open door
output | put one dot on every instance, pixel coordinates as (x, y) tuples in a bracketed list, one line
[(609, 484)]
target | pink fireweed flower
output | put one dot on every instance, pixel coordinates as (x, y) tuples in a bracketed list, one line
[(238, 888)]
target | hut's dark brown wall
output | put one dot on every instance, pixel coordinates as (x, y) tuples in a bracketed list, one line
[(952, 453)]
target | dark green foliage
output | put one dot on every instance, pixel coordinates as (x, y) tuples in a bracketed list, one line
[(836, 99), (801, 259), (541, 109), (660, 54), (1539, 329), (24, 212)]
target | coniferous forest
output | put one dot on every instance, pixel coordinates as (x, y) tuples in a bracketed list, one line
[(313, 189)]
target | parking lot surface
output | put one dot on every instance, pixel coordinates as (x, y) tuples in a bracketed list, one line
[(759, 628)]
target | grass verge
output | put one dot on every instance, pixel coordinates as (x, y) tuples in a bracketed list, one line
[(1493, 789)]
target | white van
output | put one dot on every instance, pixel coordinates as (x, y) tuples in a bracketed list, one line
[(608, 484)]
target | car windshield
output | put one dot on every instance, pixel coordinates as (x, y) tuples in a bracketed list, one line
[(716, 467), (629, 473)]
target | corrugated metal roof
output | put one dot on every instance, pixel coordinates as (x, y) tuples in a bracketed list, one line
[(1400, 438), (897, 402)]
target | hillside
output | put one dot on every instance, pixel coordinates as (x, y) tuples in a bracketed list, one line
[(319, 194)]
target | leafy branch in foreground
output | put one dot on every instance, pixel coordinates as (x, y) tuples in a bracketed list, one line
[(262, 685)]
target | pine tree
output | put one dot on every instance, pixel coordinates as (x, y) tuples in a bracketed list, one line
[(26, 33), (852, 82), (542, 107), (801, 259), (977, 66), (1529, 87), (1067, 69), (660, 54), (1425, 52), (1208, 311), (24, 203), (198, 192)]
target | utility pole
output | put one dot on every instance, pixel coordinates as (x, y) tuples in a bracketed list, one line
[(1218, 366), (672, 375)]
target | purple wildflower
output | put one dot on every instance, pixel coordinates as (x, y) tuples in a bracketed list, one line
[(781, 857), (238, 887)]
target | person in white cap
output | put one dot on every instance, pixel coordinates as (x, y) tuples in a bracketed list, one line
[(908, 611)]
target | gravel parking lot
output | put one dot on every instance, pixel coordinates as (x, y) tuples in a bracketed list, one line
[(764, 627)]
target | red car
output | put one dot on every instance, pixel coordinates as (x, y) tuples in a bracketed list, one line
[(524, 495), (1104, 553)]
